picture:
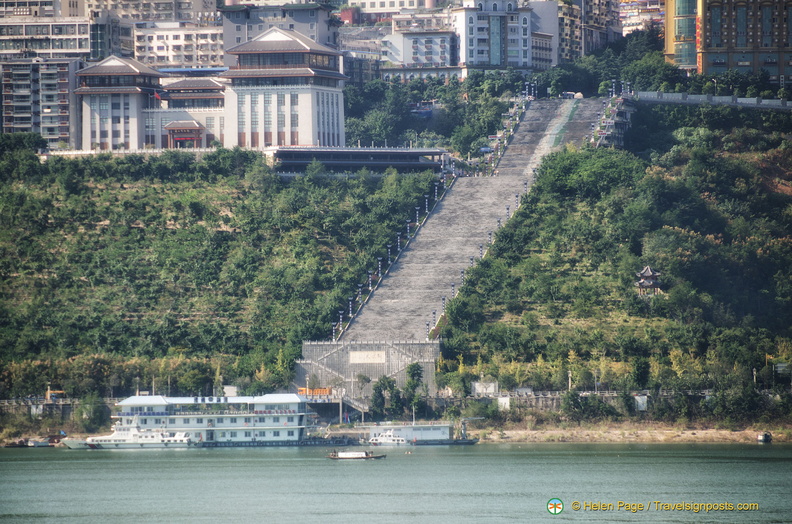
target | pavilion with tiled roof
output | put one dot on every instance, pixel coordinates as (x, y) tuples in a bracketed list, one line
[(648, 281)]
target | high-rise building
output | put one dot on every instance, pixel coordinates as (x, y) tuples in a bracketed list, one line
[(711, 37), (38, 96), (494, 34), (599, 24)]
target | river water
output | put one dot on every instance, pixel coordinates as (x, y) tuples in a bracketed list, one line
[(475, 484)]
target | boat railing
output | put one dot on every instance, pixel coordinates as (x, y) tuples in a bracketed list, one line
[(214, 413)]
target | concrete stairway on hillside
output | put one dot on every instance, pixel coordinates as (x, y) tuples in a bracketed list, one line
[(460, 225)]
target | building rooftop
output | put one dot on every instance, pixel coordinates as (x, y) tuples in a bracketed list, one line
[(278, 40), (117, 66)]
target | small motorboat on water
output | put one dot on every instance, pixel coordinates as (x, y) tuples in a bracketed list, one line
[(387, 438), (764, 438), (354, 455)]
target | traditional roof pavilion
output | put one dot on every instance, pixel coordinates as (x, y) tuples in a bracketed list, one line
[(648, 281), (118, 75)]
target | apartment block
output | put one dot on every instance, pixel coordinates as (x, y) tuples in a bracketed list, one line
[(494, 34), (748, 36), (79, 37), (38, 96), (178, 44)]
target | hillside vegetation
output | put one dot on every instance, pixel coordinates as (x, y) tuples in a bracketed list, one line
[(555, 298), (116, 273)]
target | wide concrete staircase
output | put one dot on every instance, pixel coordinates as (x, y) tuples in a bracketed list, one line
[(431, 266)]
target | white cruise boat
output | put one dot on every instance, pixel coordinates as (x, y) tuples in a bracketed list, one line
[(183, 422)]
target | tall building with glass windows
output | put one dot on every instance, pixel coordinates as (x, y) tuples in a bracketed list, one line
[(711, 36)]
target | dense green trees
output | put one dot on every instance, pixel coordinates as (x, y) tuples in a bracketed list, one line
[(465, 113), (555, 296), (173, 257)]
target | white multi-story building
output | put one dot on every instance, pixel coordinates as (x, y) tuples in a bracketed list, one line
[(286, 89), (178, 44), (114, 93), (494, 34)]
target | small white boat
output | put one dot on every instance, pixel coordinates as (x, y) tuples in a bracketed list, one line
[(764, 438), (38, 443), (135, 438), (387, 438), (354, 455)]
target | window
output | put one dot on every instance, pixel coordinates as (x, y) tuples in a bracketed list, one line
[(199, 421), (276, 433), (186, 421), (233, 420), (247, 420), (290, 433), (276, 419), (232, 434)]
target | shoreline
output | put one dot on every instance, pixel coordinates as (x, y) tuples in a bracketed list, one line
[(630, 433)]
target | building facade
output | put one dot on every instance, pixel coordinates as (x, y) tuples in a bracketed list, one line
[(179, 44), (113, 95), (243, 23), (494, 34), (285, 89), (38, 96), (81, 37), (711, 37)]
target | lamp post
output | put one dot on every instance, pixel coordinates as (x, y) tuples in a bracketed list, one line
[(434, 317), (427, 331), (516, 201), (507, 212), (442, 301), (351, 299), (462, 276), (472, 258), (499, 223), (436, 184), (417, 221), (453, 289), (389, 254), (408, 229), (426, 203), (398, 241), (489, 237), (340, 321), (481, 250), (370, 286), (379, 267)]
